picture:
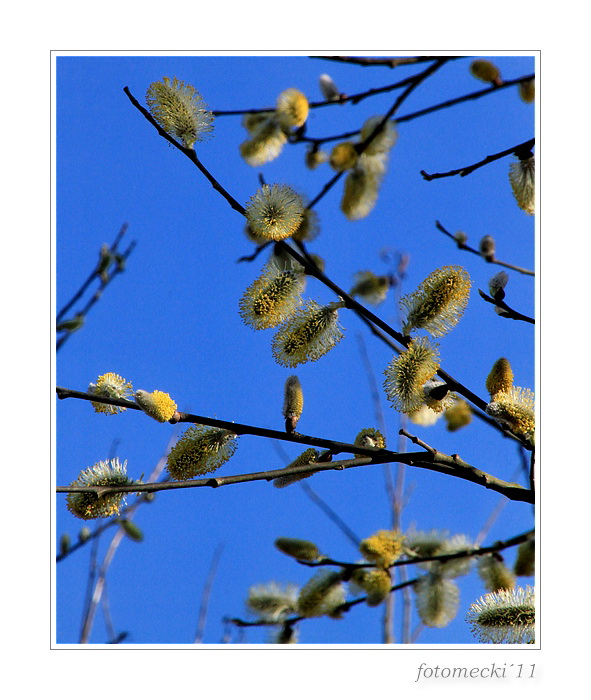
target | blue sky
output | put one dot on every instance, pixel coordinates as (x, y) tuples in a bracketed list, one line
[(171, 323)]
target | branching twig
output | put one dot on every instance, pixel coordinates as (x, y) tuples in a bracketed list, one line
[(430, 459), (309, 267), (508, 312), (109, 257)]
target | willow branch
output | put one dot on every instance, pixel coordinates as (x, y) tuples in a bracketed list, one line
[(413, 84), (432, 460), (308, 265), (188, 152), (467, 169), (508, 312), (464, 98), (427, 110), (108, 257), (354, 99), (477, 551), (492, 259), (387, 62)]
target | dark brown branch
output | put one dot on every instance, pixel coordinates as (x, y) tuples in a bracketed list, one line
[(413, 84), (110, 257), (386, 62), (464, 98), (508, 312), (493, 259), (189, 152), (308, 265), (467, 169), (437, 461)]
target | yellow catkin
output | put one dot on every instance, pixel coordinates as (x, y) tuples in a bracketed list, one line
[(343, 156), (158, 405), (375, 582), (439, 301), (292, 108), (200, 450), (407, 373), (500, 378), (458, 415), (382, 548)]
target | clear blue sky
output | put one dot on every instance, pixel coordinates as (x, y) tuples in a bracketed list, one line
[(171, 323)]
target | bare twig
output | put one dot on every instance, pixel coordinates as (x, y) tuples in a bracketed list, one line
[(111, 264), (467, 169), (206, 594)]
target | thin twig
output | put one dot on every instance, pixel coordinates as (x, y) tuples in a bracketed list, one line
[(508, 312), (493, 259), (467, 169), (206, 594)]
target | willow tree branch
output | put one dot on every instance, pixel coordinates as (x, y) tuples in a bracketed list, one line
[(318, 141), (476, 551), (508, 312), (464, 98), (354, 99), (467, 169), (100, 272), (493, 259), (309, 266), (432, 460), (188, 152), (386, 62), (413, 84)]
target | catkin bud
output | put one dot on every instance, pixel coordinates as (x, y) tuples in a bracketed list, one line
[(274, 212), (303, 550), (293, 403), (494, 573), (180, 110), (515, 409), (437, 600), (292, 108), (307, 457), (458, 415), (64, 543), (328, 88), (132, 530), (343, 156), (200, 450), (497, 284), (525, 564), (504, 617), (322, 595), (308, 334), (522, 179), (486, 71), (527, 90), (487, 248), (439, 302), (370, 437)]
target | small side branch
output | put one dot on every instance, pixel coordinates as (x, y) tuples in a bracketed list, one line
[(508, 312), (467, 169), (490, 259)]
